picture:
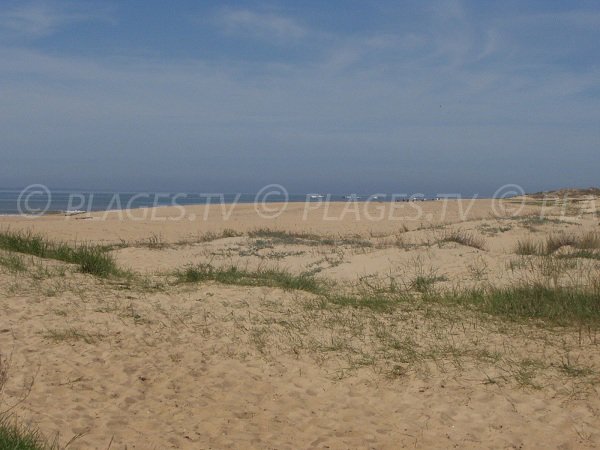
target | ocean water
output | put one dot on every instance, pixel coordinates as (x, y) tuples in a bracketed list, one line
[(18, 202), (37, 201)]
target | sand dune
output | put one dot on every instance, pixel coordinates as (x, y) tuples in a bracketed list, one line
[(152, 363)]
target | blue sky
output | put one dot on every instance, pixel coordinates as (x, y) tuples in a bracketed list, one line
[(336, 96)]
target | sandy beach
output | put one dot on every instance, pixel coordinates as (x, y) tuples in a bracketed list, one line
[(164, 358), (279, 225)]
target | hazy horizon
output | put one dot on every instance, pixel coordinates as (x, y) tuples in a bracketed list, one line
[(340, 97), (503, 191)]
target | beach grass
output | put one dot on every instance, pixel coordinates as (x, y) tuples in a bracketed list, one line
[(92, 259), (284, 237), (376, 302), (14, 263), (585, 245), (13, 434), (528, 247), (287, 237), (72, 335), (16, 436), (213, 236), (556, 305), (585, 254), (242, 277), (465, 238)]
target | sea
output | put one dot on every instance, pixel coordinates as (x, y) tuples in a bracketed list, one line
[(38, 199), (15, 202)]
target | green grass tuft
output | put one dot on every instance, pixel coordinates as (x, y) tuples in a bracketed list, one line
[(289, 237), (374, 302), (91, 259), (261, 277), (553, 304), (72, 334), (283, 237), (558, 305), (13, 263), (15, 436), (233, 275)]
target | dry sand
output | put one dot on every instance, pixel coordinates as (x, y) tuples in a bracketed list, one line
[(215, 366)]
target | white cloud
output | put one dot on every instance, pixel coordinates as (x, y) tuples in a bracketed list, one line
[(262, 25), (42, 18)]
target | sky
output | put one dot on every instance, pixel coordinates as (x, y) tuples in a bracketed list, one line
[(320, 96)]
